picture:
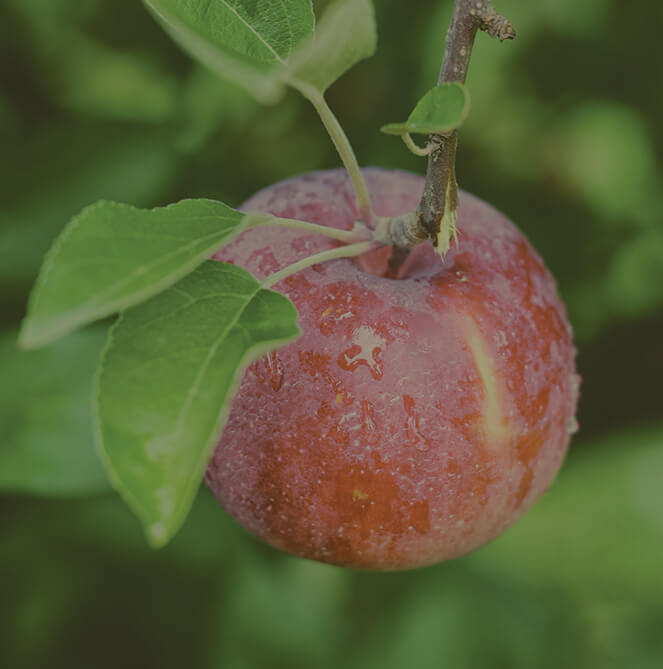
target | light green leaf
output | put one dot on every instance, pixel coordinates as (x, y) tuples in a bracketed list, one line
[(345, 34), (167, 379), (112, 256), (442, 109), (46, 437), (248, 41)]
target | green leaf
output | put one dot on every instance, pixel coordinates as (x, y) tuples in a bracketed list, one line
[(442, 109), (112, 256), (46, 437), (248, 41), (345, 34), (167, 379)]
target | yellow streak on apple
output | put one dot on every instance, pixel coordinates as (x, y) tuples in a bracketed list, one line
[(495, 425)]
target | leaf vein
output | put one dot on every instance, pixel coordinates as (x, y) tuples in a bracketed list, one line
[(195, 388), (254, 31), (143, 269)]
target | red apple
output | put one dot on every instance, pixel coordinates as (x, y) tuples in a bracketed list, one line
[(415, 419)]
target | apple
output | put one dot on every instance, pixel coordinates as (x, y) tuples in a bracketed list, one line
[(415, 419)]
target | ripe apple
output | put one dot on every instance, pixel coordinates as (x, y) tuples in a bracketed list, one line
[(415, 419)]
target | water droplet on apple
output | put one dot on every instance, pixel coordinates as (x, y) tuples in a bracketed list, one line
[(572, 426), (269, 369), (275, 370), (412, 425), (366, 350), (368, 423)]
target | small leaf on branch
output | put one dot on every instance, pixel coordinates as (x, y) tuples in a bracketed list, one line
[(112, 256), (442, 110), (345, 34), (46, 437), (167, 379), (248, 41)]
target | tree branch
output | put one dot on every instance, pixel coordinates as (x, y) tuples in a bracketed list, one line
[(436, 214)]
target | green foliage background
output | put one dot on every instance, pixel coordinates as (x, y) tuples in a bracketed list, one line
[(564, 136)]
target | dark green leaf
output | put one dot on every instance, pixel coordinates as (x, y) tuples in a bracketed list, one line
[(167, 379), (112, 256), (46, 438), (442, 109)]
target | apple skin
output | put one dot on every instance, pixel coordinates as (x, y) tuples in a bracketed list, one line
[(415, 419)]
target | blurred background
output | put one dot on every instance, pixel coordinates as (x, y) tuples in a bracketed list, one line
[(565, 137)]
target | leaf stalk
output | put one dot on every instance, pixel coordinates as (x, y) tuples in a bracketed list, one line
[(348, 251), (359, 233), (343, 146)]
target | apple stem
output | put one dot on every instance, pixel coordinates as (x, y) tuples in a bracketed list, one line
[(360, 232), (344, 148), (436, 213), (348, 251)]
